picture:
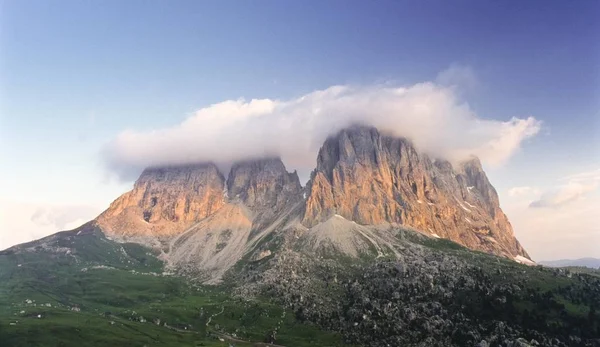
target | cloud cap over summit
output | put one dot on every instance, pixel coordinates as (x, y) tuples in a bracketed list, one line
[(429, 114)]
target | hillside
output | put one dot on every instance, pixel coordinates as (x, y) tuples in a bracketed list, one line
[(79, 288), (202, 220), (383, 247)]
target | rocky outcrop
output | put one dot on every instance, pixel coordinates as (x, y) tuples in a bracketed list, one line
[(202, 223), (165, 200), (372, 178), (263, 184), (362, 175)]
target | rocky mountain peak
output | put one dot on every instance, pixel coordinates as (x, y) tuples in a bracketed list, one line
[(373, 178), (357, 144), (262, 183), (362, 175), (476, 177), (357, 170), (164, 198)]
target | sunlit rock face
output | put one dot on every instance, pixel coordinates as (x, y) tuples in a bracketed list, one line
[(362, 175), (372, 178), (164, 200)]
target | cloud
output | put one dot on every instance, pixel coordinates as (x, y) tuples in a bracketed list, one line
[(559, 221), (571, 231), (430, 114), (520, 191), (576, 188), (458, 76), (61, 217), (589, 176), (25, 221)]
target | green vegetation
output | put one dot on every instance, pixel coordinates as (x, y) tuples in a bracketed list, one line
[(79, 288), (85, 290)]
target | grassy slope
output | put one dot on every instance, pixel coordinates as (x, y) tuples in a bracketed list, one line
[(130, 285), (559, 298), (113, 300)]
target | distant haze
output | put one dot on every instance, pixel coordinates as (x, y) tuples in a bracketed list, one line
[(587, 262)]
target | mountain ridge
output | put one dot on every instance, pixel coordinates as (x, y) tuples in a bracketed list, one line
[(205, 222), (220, 254), (593, 263), (405, 187)]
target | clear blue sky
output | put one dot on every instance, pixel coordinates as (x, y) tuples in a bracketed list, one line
[(74, 74)]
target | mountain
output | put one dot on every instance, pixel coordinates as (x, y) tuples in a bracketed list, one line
[(583, 262), (364, 180), (164, 200), (372, 179), (384, 246), (80, 288)]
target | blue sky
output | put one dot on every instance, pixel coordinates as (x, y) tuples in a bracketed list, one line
[(76, 74)]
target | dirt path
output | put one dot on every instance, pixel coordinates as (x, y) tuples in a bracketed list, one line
[(214, 315), (185, 331), (233, 339)]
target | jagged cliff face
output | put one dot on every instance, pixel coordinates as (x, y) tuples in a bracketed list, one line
[(200, 221), (164, 200), (372, 179), (366, 187), (263, 184)]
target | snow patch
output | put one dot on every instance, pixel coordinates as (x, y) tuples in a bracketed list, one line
[(522, 260), (466, 202), (461, 205), (464, 208), (434, 234), (468, 220), (419, 201), (491, 239)]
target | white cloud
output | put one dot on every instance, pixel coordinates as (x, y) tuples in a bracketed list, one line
[(428, 113), (571, 231), (522, 191), (458, 76), (589, 176), (576, 188), (60, 217), (25, 221), (567, 225)]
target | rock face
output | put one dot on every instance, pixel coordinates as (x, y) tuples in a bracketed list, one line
[(263, 184), (372, 179), (165, 200), (366, 178), (202, 223)]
